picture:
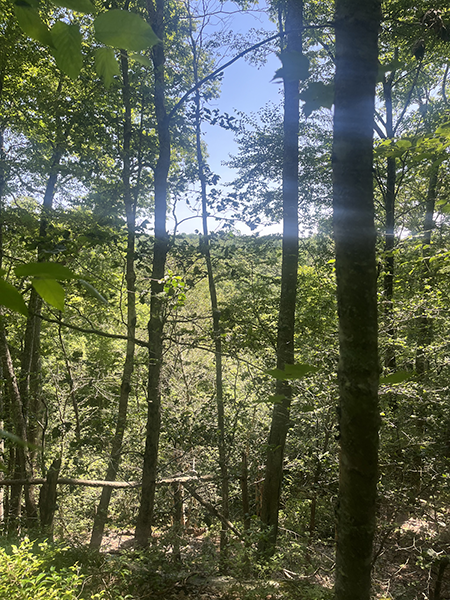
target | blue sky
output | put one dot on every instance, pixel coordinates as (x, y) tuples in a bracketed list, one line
[(245, 88)]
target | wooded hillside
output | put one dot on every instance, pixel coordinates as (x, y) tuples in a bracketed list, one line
[(271, 409)]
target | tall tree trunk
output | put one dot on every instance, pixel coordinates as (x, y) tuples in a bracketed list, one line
[(424, 322), (389, 240), (205, 248), (30, 367), (357, 25), (155, 324), (286, 315), (130, 278), (23, 465)]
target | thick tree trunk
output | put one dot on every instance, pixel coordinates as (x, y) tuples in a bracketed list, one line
[(130, 278), (155, 325), (286, 316), (47, 499), (357, 25)]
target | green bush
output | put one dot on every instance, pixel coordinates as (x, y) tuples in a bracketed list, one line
[(25, 574)]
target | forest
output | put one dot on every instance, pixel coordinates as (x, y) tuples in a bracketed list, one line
[(187, 410)]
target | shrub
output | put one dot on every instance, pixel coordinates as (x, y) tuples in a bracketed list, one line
[(25, 574)]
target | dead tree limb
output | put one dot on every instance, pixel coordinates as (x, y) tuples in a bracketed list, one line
[(114, 484), (213, 510)]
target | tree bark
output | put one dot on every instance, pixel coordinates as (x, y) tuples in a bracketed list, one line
[(389, 240), (424, 322), (130, 278), (23, 465), (155, 324), (217, 333), (286, 316), (47, 499), (357, 25)]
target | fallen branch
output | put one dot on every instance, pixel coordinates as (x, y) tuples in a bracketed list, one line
[(213, 510), (113, 484)]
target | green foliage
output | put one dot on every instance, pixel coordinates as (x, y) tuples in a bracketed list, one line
[(24, 574), (122, 29), (297, 371), (11, 298), (295, 66), (106, 65), (317, 95), (81, 6), (32, 24), (67, 43), (117, 28), (51, 291), (398, 377)]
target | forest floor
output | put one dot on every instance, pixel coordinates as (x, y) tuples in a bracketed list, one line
[(410, 564)]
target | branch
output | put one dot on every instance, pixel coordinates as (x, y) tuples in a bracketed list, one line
[(213, 510), (111, 484), (408, 99), (232, 61), (115, 336), (378, 130), (444, 84)]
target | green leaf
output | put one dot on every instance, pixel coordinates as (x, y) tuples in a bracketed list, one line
[(92, 291), (143, 60), (67, 43), (443, 130), (123, 29), (317, 95), (275, 399), (81, 6), (106, 65), (295, 67), (32, 24), (398, 377), (45, 270), (51, 291), (12, 298), (297, 371), (394, 65), (16, 440)]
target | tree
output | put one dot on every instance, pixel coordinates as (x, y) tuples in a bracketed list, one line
[(156, 17), (357, 25), (196, 47), (291, 55)]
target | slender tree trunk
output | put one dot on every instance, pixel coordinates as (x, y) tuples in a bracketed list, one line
[(424, 322), (389, 239), (23, 465), (217, 333), (73, 395), (130, 278), (29, 379), (2, 398), (286, 316), (357, 25), (155, 324), (317, 475), (244, 490)]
